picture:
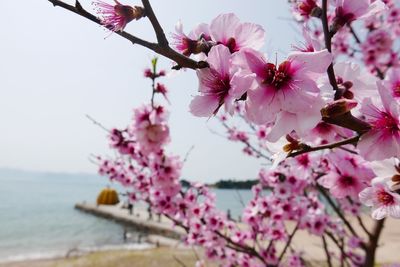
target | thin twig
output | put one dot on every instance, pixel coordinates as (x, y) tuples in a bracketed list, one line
[(361, 223), (337, 210), (339, 245), (328, 44), (288, 243), (181, 263), (358, 41), (162, 49), (188, 153), (162, 40), (352, 140), (328, 256), (97, 123)]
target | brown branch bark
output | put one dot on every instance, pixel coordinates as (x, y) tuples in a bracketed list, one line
[(337, 210), (372, 245), (161, 48), (328, 44), (307, 149), (328, 256), (287, 244), (347, 120), (161, 39)]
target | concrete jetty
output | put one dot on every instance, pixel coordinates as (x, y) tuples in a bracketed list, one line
[(139, 219), (164, 232)]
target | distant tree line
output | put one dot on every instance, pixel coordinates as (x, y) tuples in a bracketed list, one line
[(227, 184)]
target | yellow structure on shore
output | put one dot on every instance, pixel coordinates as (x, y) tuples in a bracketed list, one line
[(108, 196)]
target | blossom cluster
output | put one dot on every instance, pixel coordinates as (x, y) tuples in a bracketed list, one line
[(326, 118)]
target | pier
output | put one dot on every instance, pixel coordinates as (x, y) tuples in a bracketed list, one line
[(163, 232), (159, 230)]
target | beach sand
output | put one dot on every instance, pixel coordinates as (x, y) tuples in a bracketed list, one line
[(174, 253), (156, 257)]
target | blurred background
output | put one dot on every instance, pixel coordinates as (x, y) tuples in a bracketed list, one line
[(55, 69)]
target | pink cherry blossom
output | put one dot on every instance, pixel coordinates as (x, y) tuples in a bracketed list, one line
[(290, 86), (347, 178), (219, 85), (383, 202), (227, 29), (392, 82), (349, 10), (383, 140), (150, 128), (194, 43), (355, 82), (116, 17)]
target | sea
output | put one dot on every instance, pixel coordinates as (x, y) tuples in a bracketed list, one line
[(38, 219)]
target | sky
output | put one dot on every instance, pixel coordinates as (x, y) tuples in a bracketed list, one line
[(56, 67)]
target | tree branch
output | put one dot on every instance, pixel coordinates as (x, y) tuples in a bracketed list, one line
[(161, 39), (160, 48), (328, 44), (288, 244), (328, 256), (347, 120), (373, 243), (307, 149), (358, 41), (337, 210)]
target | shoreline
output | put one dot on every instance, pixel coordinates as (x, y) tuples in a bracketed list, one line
[(73, 252), (168, 256), (159, 246)]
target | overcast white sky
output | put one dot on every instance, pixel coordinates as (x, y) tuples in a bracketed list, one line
[(55, 67)]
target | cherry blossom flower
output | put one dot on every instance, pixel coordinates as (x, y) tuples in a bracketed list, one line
[(347, 178), (116, 17), (383, 140), (383, 202), (349, 10), (219, 85), (284, 92), (354, 81), (307, 8), (150, 128), (195, 42), (227, 29), (392, 82), (388, 171)]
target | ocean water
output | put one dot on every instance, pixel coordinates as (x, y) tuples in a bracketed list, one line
[(38, 219)]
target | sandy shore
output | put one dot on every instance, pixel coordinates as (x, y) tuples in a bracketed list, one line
[(164, 256), (174, 253)]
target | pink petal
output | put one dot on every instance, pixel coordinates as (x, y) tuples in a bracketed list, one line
[(201, 29), (378, 145), (204, 106), (387, 100), (250, 35), (240, 83), (366, 196), (357, 8), (298, 95), (218, 58), (203, 75), (379, 213), (284, 124), (223, 27), (373, 9), (312, 61), (394, 211), (261, 105), (250, 59), (369, 109)]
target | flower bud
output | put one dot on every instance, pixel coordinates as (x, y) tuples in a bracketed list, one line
[(338, 107)]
